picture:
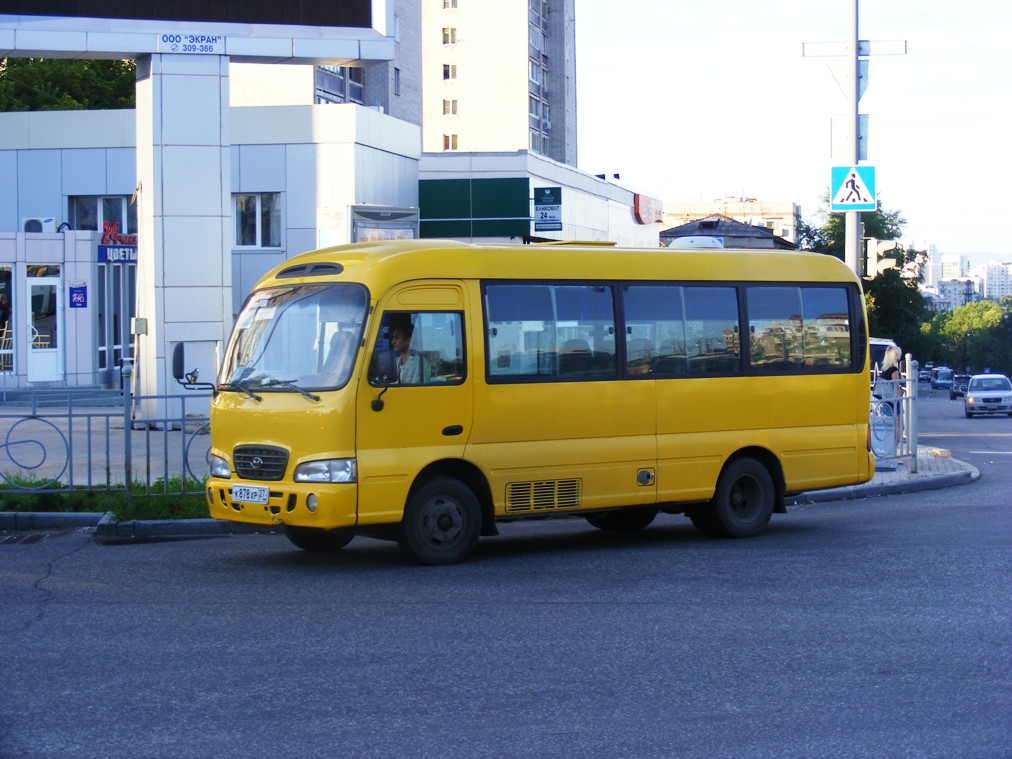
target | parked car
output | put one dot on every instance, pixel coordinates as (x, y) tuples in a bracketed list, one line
[(924, 375), (941, 378), (988, 394), (958, 387)]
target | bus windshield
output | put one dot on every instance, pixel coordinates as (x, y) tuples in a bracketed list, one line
[(294, 338)]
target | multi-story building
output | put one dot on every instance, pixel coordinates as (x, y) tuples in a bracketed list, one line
[(995, 279), (782, 218), (956, 292), (499, 77), (954, 266), (393, 87)]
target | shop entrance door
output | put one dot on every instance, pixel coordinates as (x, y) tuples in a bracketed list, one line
[(45, 329)]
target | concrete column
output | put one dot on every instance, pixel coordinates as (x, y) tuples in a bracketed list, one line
[(184, 214)]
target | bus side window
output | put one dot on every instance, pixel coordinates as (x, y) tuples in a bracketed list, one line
[(419, 348)]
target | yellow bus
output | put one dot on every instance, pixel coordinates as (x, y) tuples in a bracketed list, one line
[(424, 391)]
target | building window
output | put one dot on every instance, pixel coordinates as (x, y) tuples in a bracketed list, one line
[(449, 142), (258, 220), (397, 81), (6, 325), (536, 37), (449, 107), (449, 35), (449, 71), (338, 84), (103, 213), (535, 72), (534, 107), (356, 79), (115, 299)]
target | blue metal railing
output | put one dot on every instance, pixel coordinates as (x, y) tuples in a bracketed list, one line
[(52, 442)]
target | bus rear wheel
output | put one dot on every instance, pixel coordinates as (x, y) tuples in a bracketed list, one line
[(742, 504), (441, 523), (317, 540), (629, 520)]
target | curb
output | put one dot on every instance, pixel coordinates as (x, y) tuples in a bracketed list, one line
[(45, 520), (970, 474), (109, 532)]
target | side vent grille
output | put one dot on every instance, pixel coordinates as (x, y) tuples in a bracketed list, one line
[(260, 462), (542, 496)]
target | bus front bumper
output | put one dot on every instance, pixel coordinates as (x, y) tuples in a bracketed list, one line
[(322, 505)]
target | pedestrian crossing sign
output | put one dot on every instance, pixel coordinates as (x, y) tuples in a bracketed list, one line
[(853, 188)]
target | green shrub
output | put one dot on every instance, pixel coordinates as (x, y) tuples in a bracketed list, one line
[(161, 500)]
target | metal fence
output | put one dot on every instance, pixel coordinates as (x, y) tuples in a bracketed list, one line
[(52, 441)]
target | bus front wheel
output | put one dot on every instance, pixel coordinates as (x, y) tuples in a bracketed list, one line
[(742, 504), (315, 539), (441, 523)]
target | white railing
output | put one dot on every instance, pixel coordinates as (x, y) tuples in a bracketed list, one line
[(894, 418)]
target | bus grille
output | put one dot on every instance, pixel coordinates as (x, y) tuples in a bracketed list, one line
[(260, 462), (542, 496)]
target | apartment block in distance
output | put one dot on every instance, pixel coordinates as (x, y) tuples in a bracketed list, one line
[(499, 77)]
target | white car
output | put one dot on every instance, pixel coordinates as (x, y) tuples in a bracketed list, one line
[(988, 394)]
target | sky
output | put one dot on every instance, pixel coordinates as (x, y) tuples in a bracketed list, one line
[(695, 100)]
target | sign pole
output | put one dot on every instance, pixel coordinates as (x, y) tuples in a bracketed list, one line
[(852, 234)]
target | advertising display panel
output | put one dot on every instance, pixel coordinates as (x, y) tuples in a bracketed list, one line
[(348, 13)]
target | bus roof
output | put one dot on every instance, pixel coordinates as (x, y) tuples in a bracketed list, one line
[(383, 263)]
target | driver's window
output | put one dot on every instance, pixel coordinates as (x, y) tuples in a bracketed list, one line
[(419, 348)]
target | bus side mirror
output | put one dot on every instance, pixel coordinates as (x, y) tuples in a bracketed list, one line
[(184, 378), (178, 362)]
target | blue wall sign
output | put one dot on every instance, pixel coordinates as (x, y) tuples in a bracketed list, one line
[(79, 296), (117, 254)]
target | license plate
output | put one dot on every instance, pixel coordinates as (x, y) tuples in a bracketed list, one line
[(250, 493)]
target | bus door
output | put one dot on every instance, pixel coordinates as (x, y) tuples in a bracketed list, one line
[(415, 402)]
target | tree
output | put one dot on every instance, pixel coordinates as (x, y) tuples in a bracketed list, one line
[(977, 336), (896, 308), (830, 237), (60, 84)]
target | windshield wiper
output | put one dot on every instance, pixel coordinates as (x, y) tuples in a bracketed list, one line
[(238, 387), (289, 385)]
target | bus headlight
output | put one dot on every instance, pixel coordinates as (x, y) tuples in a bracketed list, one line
[(328, 470), (219, 467)]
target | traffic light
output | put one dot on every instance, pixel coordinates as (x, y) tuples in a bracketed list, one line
[(877, 256)]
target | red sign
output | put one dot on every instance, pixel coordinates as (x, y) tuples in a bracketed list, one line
[(649, 210), (111, 235)]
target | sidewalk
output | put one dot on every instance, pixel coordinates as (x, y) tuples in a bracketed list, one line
[(935, 469)]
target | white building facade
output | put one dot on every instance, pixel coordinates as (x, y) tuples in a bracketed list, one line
[(994, 278), (301, 177), (124, 233)]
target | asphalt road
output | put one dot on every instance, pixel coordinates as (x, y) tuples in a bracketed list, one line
[(868, 628)]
